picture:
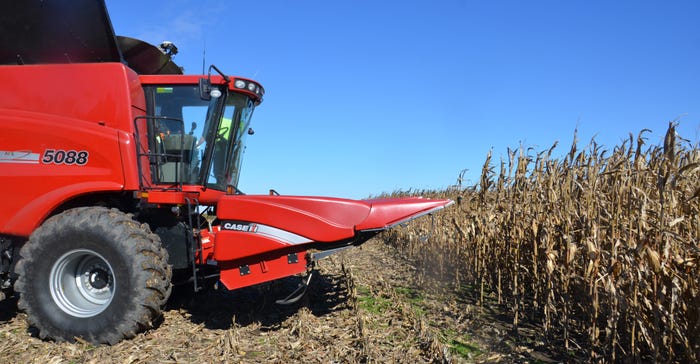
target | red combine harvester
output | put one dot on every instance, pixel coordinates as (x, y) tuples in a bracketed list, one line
[(123, 175)]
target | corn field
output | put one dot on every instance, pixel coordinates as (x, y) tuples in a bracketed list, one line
[(598, 249)]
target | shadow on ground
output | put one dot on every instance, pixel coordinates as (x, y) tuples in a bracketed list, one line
[(8, 309), (218, 308)]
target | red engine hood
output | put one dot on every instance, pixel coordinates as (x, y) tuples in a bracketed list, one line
[(324, 219)]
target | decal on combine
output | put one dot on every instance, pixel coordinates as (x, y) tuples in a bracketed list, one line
[(67, 157), (283, 236), (246, 228), (20, 156)]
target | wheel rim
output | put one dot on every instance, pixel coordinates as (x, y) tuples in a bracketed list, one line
[(82, 283)]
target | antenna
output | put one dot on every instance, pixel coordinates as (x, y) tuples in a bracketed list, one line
[(204, 55)]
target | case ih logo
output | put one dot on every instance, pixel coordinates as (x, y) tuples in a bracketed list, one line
[(246, 228)]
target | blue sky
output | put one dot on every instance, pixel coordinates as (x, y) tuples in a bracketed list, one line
[(364, 97)]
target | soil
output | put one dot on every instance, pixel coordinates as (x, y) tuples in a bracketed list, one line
[(366, 304)]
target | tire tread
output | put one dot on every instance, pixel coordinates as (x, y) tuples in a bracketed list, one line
[(139, 243)]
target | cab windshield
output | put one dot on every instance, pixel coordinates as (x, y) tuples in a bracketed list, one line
[(197, 141)]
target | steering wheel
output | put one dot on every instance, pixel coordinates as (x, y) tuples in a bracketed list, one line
[(222, 132)]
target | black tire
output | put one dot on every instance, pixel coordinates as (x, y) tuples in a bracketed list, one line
[(93, 273)]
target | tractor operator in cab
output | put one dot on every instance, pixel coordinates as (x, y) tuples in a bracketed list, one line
[(219, 155)]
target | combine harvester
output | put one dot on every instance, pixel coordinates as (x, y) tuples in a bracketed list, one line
[(121, 175)]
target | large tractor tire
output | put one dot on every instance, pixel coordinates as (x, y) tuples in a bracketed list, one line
[(92, 273)]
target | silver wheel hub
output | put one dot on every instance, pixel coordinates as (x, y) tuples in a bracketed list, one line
[(82, 283)]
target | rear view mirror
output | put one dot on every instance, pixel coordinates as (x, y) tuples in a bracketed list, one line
[(204, 89)]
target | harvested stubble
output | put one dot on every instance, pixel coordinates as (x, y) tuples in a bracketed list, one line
[(598, 249)]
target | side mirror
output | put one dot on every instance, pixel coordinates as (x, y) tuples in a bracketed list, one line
[(204, 89)]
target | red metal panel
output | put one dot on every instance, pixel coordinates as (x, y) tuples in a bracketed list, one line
[(65, 130), (207, 196), (261, 270), (169, 197), (207, 240), (317, 218), (324, 219), (127, 149), (232, 245), (100, 93), (46, 159), (386, 212)]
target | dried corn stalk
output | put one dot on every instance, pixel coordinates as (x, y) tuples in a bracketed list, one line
[(599, 248)]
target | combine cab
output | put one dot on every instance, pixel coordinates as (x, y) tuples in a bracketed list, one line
[(124, 176)]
